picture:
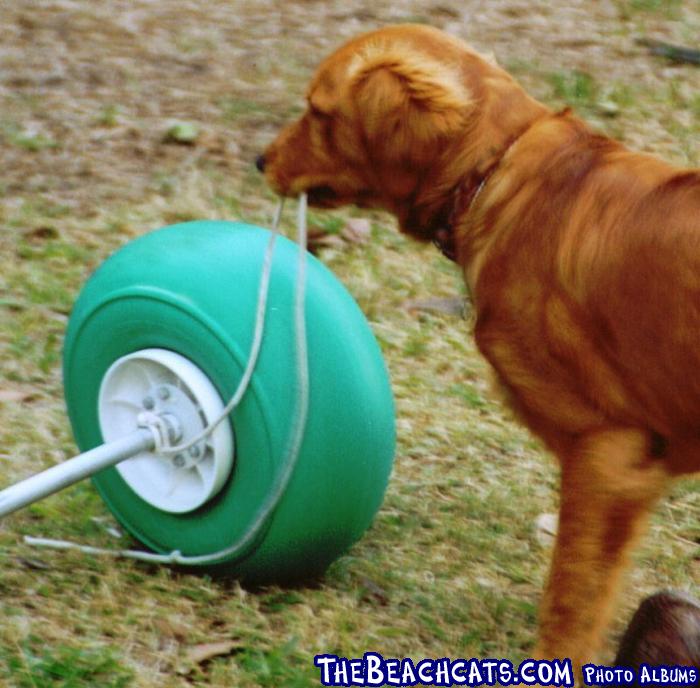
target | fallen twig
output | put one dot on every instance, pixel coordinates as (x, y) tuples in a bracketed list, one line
[(676, 53)]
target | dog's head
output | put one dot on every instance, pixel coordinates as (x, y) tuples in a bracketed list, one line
[(395, 119)]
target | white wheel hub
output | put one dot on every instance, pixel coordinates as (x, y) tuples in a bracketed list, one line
[(161, 382)]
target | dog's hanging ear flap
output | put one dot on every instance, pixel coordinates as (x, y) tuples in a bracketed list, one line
[(407, 100), (323, 94)]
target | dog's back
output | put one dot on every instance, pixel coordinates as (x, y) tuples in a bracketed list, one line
[(589, 259)]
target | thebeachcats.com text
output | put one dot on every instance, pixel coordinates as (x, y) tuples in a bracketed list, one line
[(374, 670)]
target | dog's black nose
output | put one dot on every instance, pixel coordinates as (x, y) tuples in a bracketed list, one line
[(260, 163)]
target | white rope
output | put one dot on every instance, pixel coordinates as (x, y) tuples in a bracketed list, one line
[(263, 291), (296, 436), (159, 427), (151, 557)]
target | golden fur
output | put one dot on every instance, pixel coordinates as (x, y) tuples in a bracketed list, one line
[(583, 260)]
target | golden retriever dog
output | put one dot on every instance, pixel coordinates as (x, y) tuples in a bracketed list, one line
[(583, 263)]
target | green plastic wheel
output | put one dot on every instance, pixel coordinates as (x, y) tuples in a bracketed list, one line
[(192, 289)]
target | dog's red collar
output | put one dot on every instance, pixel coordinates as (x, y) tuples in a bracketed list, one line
[(464, 196), (463, 199)]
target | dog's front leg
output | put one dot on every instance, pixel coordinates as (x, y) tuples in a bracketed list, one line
[(610, 482)]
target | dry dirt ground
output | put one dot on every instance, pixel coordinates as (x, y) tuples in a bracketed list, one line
[(90, 88), (453, 565)]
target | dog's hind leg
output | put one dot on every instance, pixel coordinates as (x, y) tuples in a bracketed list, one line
[(610, 482)]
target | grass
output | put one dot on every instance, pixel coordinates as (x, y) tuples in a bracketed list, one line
[(574, 87), (33, 665), (233, 109), (452, 565), (666, 8), (32, 141), (108, 116)]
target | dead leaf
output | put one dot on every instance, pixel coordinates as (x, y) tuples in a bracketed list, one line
[(199, 654), (546, 526), (42, 233), (450, 305), (14, 395), (34, 564), (170, 628), (318, 238), (371, 592), (184, 133), (357, 230)]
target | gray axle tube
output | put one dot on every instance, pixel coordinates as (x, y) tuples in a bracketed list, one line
[(73, 470)]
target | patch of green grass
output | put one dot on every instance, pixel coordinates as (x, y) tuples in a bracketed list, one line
[(469, 395), (234, 109), (30, 141), (33, 665), (623, 95), (194, 43), (667, 8), (32, 211), (695, 106), (109, 114), (329, 223), (517, 66), (417, 345), (574, 87), (54, 252), (282, 665), (164, 183)]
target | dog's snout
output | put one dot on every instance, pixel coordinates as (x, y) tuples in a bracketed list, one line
[(260, 163)]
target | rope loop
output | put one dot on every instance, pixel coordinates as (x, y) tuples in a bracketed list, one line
[(161, 430)]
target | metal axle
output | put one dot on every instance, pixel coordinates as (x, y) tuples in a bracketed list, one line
[(73, 470)]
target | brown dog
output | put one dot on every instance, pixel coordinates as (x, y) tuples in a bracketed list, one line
[(582, 258), (664, 630)]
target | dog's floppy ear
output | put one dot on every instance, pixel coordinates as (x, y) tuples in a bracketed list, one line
[(323, 94), (407, 99)]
